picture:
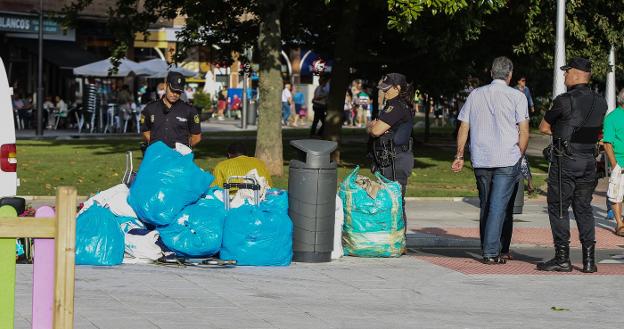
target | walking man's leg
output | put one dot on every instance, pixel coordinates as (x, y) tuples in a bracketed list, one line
[(504, 181), (508, 225), (484, 181)]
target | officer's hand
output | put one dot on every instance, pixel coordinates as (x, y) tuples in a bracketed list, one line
[(457, 165)]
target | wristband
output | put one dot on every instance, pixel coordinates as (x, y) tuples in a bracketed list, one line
[(459, 158)]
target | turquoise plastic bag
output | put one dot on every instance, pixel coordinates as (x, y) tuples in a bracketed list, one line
[(99, 239), (372, 227), (259, 235), (166, 182), (197, 231)]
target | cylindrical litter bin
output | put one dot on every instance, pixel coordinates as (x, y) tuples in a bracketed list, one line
[(519, 199), (312, 180), (251, 113)]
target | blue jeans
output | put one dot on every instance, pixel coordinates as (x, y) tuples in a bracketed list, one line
[(285, 112), (496, 187)]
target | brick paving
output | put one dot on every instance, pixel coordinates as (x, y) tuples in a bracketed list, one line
[(472, 266), (534, 236)]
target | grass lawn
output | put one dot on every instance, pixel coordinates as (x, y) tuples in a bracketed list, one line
[(95, 165)]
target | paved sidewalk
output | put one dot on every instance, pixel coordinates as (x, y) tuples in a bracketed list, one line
[(408, 292)]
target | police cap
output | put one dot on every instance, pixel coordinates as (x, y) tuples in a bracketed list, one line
[(578, 63)]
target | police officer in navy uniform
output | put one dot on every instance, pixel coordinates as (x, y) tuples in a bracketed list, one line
[(169, 119), (575, 122), (392, 132)]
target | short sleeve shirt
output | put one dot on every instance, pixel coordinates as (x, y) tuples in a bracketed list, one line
[(395, 112), (493, 113), (614, 133), (170, 125), (286, 94)]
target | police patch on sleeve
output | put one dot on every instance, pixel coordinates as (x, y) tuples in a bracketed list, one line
[(196, 118), (152, 118), (142, 119), (389, 109)]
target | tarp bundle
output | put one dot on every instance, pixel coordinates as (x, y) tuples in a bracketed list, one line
[(166, 182), (259, 235), (373, 226)]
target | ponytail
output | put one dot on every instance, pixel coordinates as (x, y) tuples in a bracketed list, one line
[(407, 95)]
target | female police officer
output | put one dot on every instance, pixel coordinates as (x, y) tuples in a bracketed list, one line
[(392, 131)]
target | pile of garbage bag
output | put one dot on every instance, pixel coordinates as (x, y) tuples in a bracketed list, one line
[(170, 208), (373, 216)]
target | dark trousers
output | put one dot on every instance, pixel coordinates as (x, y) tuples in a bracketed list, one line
[(403, 165), (496, 190), (320, 112), (578, 181)]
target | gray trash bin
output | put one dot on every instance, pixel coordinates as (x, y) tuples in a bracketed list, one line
[(252, 113), (312, 183)]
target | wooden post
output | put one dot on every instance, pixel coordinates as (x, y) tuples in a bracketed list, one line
[(65, 252)]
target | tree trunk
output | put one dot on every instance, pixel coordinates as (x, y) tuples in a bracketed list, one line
[(345, 42), (269, 135)]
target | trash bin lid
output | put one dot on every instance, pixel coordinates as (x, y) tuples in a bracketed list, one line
[(314, 153), (314, 146)]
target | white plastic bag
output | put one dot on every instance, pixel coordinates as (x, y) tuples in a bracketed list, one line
[(115, 198), (338, 251), (142, 248)]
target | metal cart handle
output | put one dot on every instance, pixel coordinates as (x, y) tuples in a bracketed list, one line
[(252, 184)]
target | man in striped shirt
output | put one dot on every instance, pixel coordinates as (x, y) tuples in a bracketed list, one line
[(497, 119)]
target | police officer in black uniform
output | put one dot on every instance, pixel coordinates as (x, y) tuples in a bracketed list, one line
[(574, 121), (169, 119), (392, 132)]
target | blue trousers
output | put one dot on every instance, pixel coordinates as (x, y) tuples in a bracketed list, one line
[(496, 187), (285, 112)]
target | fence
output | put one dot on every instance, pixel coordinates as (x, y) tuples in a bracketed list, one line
[(53, 264)]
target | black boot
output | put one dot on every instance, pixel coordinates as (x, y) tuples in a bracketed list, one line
[(589, 259), (561, 262)]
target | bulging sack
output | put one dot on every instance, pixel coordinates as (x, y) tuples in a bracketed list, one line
[(166, 182), (197, 231), (99, 239), (259, 235), (373, 218)]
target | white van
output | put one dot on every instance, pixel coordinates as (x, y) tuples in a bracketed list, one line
[(8, 159)]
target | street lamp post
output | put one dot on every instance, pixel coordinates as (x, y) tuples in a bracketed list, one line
[(560, 56), (611, 82), (40, 97)]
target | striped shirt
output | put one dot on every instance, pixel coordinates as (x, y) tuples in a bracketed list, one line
[(493, 113), (239, 166)]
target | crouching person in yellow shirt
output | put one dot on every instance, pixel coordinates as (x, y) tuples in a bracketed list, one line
[(238, 164)]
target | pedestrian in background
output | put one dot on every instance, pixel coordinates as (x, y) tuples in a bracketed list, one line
[(287, 103), (319, 105), (497, 119), (614, 148), (575, 121), (521, 85)]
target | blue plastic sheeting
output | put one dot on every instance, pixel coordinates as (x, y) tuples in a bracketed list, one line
[(198, 230), (259, 235), (99, 239), (167, 182), (372, 227)]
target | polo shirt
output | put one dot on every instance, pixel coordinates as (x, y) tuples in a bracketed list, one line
[(170, 125)]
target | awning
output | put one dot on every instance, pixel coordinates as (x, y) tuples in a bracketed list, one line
[(65, 55)]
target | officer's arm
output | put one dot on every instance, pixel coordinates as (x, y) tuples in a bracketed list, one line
[(551, 116), (146, 136), (377, 128), (544, 127), (146, 125), (195, 139)]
